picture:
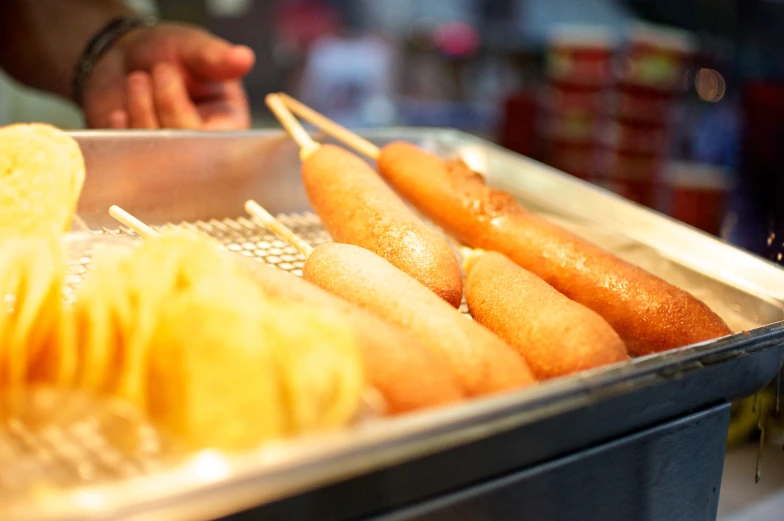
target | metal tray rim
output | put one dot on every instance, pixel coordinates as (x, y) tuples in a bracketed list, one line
[(415, 435), (342, 455)]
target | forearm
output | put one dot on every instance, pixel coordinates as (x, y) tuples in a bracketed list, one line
[(41, 40)]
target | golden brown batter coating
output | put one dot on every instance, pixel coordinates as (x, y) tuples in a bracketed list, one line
[(480, 361), (41, 178), (555, 335), (649, 314), (408, 375), (357, 207)]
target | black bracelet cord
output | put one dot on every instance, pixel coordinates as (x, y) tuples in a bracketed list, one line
[(98, 45)]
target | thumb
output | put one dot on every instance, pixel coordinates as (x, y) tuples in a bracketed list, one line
[(210, 58)]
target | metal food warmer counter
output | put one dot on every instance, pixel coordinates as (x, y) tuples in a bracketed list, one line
[(643, 440)]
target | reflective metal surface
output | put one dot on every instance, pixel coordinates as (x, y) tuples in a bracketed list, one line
[(647, 476), (166, 177)]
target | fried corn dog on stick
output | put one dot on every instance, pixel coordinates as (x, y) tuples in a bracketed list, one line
[(557, 336), (357, 207), (649, 314)]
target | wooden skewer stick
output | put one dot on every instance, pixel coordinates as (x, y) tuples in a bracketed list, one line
[(252, 207), (278, 228), (295, 129), (352, 139), (132, 222), (145, 231)]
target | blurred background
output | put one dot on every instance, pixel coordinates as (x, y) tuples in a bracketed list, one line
[(675, 104)]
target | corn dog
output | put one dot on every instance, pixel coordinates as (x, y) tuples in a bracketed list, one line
[(555, 335), (649, 314), (481, 362), (408, 375), (357, 207)]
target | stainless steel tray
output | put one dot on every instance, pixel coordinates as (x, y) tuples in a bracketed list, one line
[(173, 177)]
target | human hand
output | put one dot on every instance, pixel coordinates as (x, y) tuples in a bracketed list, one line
[(169, 76)]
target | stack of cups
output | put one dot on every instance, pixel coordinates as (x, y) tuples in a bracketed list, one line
[(635, 144), (698, 194), (579, 76)]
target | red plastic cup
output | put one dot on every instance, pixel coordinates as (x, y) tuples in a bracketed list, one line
[(657, 57), (518, 125), (580, 55), (571, 128), (566, 99), (636, 137), (698, 194), (636, 103)]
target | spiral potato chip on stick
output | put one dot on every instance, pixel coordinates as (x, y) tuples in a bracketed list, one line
[(106, 319), (211, 377), (41, 176), (228, 368), (179, 329), (319, 365), (117, 308), (33, 323)]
